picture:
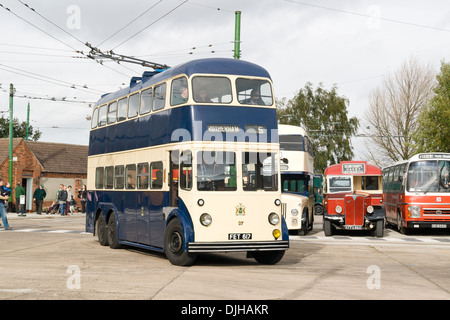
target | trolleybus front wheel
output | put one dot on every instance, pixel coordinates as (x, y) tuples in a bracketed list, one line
[(268, 257), (173, 245)]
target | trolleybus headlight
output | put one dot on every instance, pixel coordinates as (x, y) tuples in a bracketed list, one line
[(369, 209), (205, 219), (277, 202), (338, 209), (276, 234), (294, 212), (414, 212), (274, 218), (201, 202)]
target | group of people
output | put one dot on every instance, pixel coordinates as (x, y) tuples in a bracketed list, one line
[(66, 202)]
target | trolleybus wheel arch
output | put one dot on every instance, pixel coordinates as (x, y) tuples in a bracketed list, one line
[(113, 237), (102, 230), (174, 245)]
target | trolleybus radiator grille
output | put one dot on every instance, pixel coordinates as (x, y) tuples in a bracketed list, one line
[(238, 246)]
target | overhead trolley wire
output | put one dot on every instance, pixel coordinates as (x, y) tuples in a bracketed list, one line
[(128, 24), (368, 16), (160, 18)]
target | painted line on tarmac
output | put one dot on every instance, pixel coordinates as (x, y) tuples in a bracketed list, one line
[(370, 239), (45, 231)]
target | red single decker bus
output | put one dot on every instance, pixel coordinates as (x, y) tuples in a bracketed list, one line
[(353, 198), (417, 192)]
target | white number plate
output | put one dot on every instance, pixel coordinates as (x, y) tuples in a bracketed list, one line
[(353, 227), (440, 226), (239, 236)]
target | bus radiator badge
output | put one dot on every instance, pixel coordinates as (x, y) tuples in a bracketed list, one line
[(240, 210)]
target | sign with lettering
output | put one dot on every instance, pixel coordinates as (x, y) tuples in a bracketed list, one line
[(351, 168)]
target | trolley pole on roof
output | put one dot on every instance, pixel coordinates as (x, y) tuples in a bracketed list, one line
[(237, 36)]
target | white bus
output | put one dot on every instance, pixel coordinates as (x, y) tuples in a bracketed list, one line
[(297, 170)]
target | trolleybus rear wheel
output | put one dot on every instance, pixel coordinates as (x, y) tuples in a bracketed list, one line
[(113, 238), (173, 245)]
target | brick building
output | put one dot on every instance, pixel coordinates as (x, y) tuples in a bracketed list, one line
[(50, 164)]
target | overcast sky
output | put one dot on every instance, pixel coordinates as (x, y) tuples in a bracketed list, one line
[(352, 44)]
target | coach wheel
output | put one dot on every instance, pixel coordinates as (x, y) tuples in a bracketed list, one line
[(113, 238), (173, 245), (327, 228), (268, 257), (400, 227), (379, 231), (102, 230), (305, 222)]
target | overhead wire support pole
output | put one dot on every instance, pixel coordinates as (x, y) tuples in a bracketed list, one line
[(11, 99)]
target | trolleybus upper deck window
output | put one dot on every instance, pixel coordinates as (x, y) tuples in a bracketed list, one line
[(112, 112), (211, 89), (94, 121), (133, 105), (255, 92), (179, 91), (122, 109), (146, 101), (159, 98), (102, 116)]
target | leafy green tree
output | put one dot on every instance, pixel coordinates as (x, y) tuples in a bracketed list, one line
[(19, 129), (433, 134), (323, 113)]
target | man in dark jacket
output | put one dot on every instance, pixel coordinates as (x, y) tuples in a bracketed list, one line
[(19, 191), (38, 196), (62, 198)]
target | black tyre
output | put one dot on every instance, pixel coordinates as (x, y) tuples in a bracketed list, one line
[(379, 231), (268, 257), (327, 228), (102, 230), (113, 237), (173, 245)]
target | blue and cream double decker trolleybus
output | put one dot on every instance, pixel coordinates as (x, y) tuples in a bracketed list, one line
[(297, 172), (186, 161)]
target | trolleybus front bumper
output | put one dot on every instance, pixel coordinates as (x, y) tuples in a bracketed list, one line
[(237, 246)]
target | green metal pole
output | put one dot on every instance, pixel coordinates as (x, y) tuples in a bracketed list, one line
[(11, 96), (28, 121), (237, 36)]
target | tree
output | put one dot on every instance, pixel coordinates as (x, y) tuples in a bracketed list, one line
[(433, 134), (323, 113), (393, 111), (19, 130)]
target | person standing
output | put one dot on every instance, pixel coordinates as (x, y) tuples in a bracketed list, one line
[(62, 198), (4, 196), (38, 196), (82, 195), (19, 191)]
